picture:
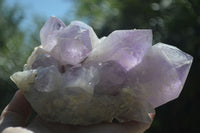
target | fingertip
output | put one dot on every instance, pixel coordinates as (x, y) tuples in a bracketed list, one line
[(16, 112), (16, 130), (129, 127), (19, 105), (152, 115)]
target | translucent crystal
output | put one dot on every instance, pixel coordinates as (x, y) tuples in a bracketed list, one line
[(127, 47), (48, 79), (94, 39), (76, 78), (74, 45), (69, 45), (79, 77), (49, 32), (111, 78), (160, 77)]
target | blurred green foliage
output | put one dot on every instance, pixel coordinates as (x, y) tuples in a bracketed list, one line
[(175, 22), (12, 49), (11, 40), (15, 46)]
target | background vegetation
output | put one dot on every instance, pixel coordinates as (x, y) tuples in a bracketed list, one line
[(175, 22)]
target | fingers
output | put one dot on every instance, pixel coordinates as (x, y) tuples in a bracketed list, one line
[(128, 127), (16, 113), (40, 126), (16, 130)]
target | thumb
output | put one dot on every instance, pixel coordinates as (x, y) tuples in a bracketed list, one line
[(16, 113)]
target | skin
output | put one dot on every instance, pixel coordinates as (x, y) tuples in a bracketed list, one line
[(14, 120)]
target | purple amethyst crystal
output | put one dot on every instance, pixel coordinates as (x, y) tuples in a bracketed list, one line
[(128, 47), (160, 77), (76, 78), (69, 45)]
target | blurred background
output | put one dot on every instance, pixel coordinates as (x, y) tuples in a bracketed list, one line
[(175, 22)]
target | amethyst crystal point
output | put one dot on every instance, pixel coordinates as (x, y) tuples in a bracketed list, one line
[(111, 78), (160, 77), (93, 36), (79, 77), (44, 60), (49, 32), (69, 45), (76, 78), (179, 60), (127, 47), (74, 45), (48, 79)]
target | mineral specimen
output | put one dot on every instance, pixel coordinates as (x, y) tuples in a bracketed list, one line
[(76, 78)]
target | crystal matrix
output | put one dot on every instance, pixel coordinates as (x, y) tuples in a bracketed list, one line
[(76, 78)]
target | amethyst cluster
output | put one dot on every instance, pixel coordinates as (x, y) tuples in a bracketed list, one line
[(74, 77)]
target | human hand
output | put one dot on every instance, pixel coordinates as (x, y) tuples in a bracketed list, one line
[(15, 116)]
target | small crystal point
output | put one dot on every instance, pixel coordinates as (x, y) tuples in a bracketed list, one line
[(24, 79), (127, 47), (44, 60), (49, 32), (79, 77), (72, 45), (111, 78), (94, 39), (48, 79)]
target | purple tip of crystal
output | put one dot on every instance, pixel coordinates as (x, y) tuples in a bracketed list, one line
[(111, 78), (48, 79), (127, 47), (71, 44), (180, 60), (44, 60), (49, 32), (74, 45), (78, 77), (93, 36), (160, 77)]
